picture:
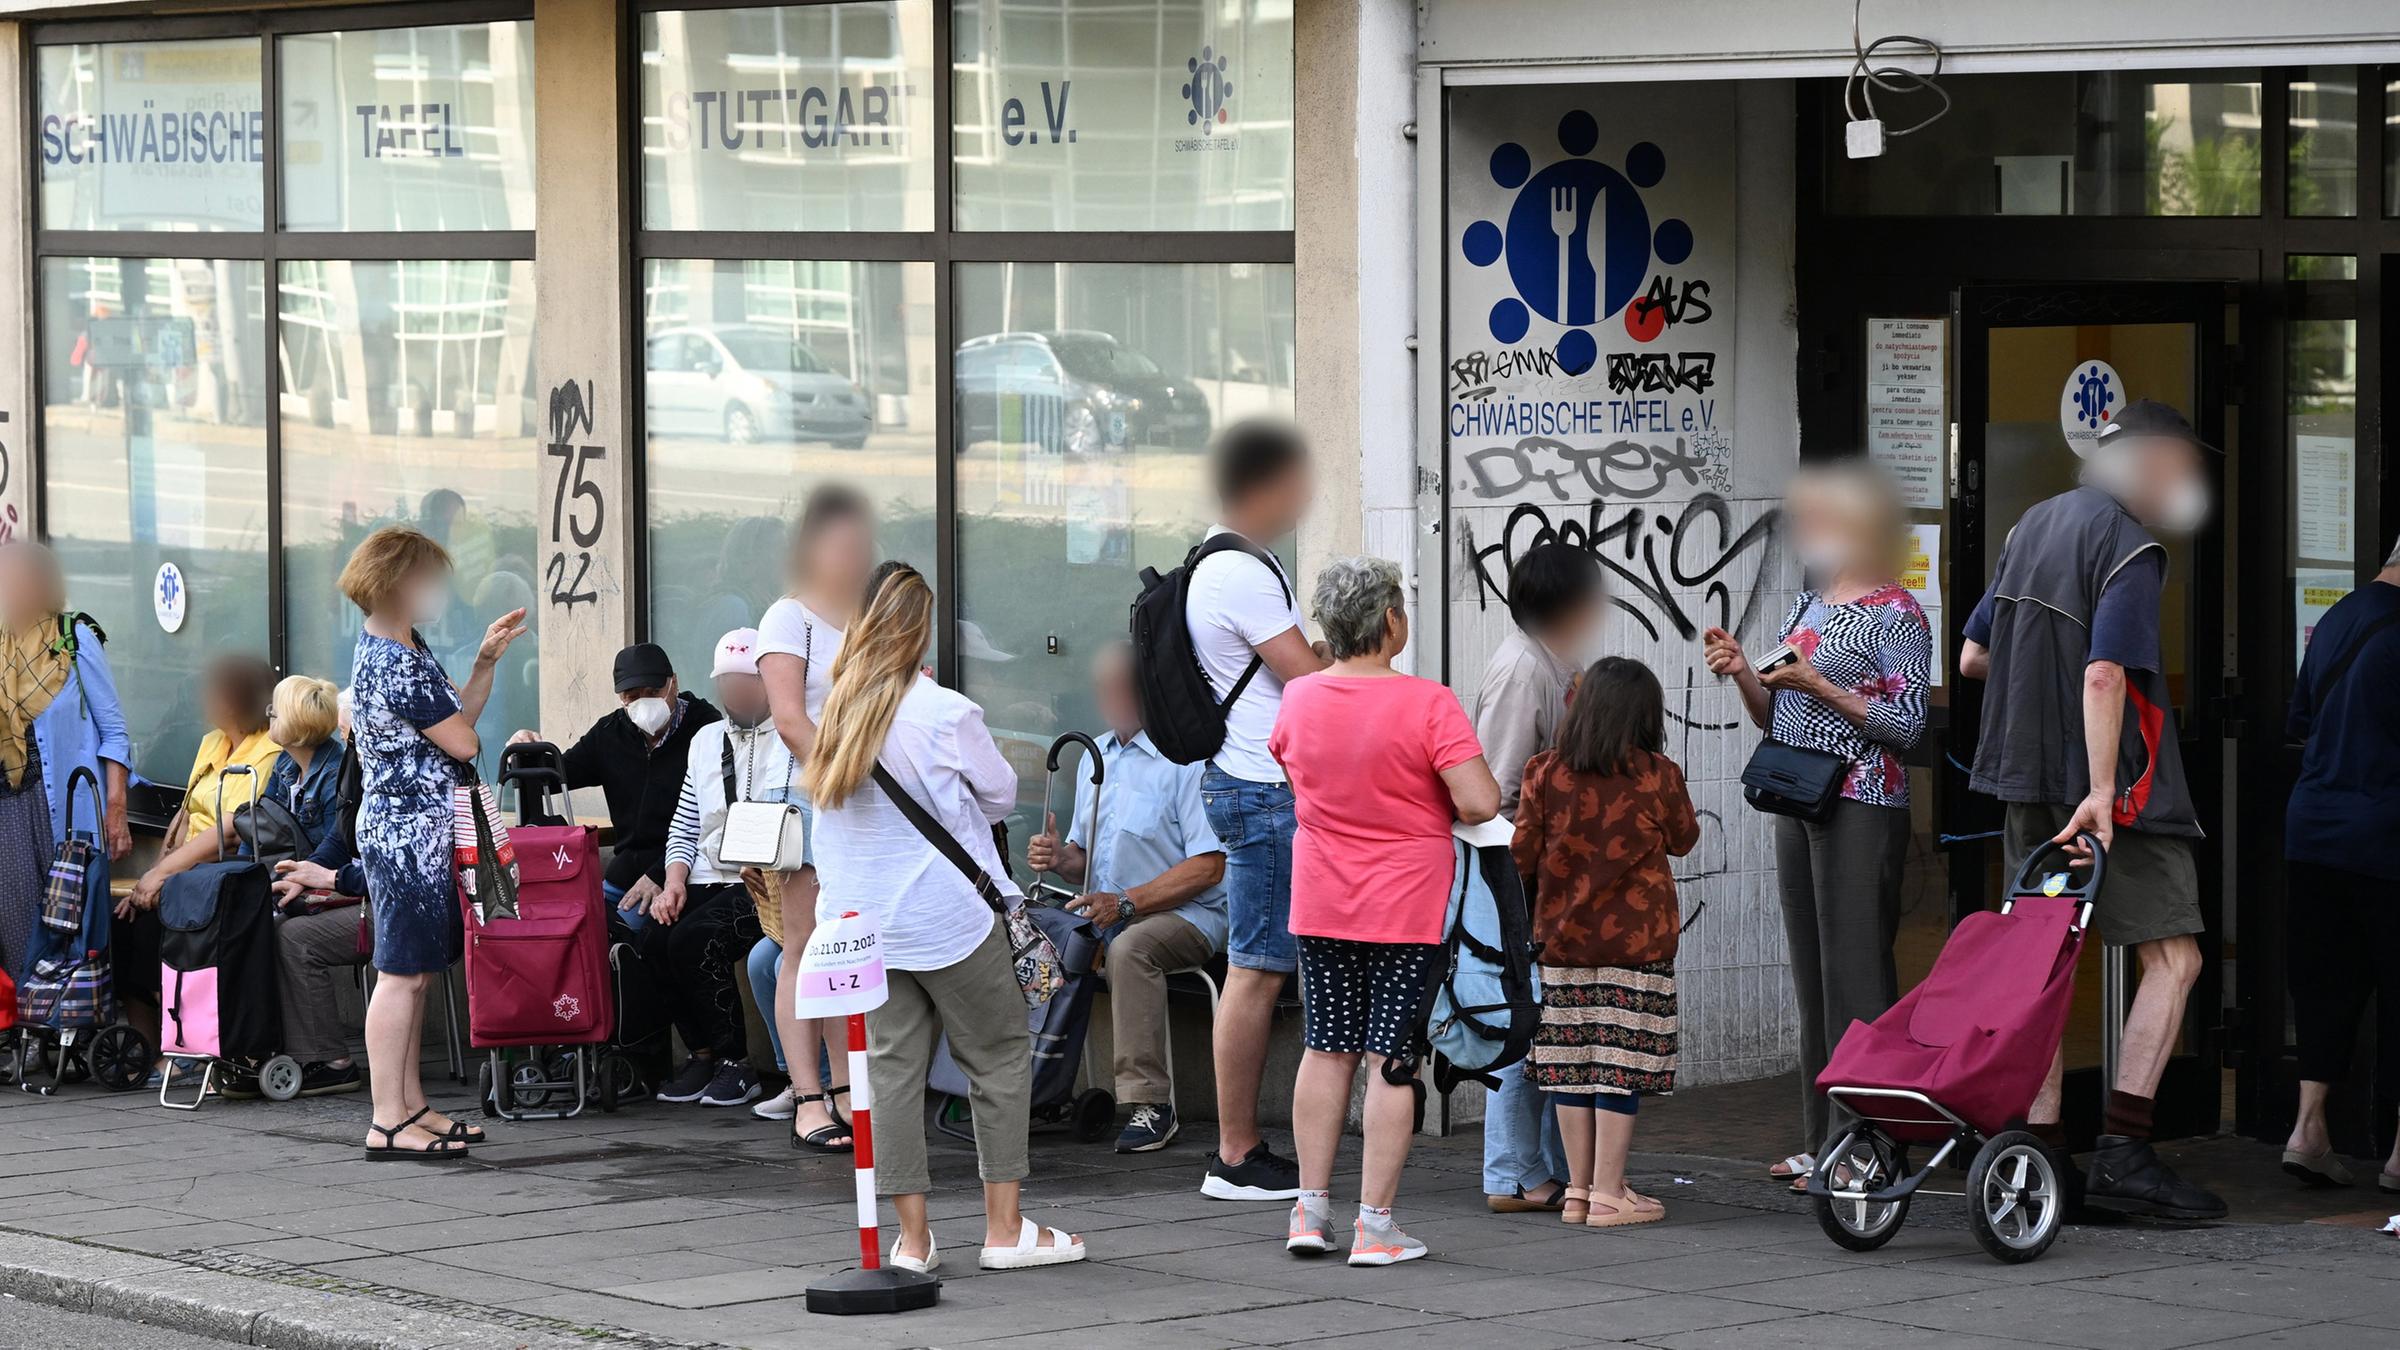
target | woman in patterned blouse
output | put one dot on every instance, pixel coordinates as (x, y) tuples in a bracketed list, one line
[(1857, 691)]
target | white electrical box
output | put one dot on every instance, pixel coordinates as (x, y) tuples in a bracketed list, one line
[(1865, 138)]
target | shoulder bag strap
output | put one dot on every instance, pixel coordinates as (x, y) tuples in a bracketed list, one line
[(942, 840), (733, 786), (1234, 543), (2350, 655)]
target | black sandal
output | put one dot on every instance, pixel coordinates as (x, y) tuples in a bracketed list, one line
[(464, 1133), (820, 1139), (442, 1149), (830, 1094)]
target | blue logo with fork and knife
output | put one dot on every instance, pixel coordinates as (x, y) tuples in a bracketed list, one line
[(1577, 242)]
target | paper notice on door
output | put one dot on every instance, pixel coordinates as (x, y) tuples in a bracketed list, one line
[(1907, 422), (2324, 480), (1921, 570), (2314, 590)]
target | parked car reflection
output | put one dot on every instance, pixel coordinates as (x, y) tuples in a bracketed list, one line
[(1076, 391), (750, 382)]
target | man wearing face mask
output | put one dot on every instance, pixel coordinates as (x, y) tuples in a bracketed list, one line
[(636, 756), (2079, 589)]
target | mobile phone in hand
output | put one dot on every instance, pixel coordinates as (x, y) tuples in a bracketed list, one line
[(1777, 659)]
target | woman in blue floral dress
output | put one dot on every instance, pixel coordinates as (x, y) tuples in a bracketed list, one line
[(413, 729)]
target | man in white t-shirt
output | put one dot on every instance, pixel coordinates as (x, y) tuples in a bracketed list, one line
[(1243, 609)]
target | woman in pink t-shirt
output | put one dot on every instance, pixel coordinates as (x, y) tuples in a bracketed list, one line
[(1380, 764)]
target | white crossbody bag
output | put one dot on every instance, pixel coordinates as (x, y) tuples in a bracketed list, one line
[(768, 835)]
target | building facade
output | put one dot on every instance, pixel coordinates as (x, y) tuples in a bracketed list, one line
[(595, 290)]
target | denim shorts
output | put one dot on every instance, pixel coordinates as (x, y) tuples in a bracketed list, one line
[(1254, 822)]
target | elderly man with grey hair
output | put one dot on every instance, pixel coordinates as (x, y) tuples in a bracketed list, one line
[(1153, 875), (1380, 764), (2344, 938)]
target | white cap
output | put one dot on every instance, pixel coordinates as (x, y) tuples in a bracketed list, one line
[(737, 653)]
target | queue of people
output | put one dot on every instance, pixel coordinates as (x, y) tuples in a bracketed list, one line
[(1300, 846)]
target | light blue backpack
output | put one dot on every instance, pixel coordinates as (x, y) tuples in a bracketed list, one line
[(1486, 997)]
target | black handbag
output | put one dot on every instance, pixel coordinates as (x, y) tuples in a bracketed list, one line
[(1793, 780)]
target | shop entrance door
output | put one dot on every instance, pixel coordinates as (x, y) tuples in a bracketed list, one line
[(2038, 365)]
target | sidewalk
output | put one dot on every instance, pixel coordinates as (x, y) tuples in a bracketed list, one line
[(679, 1226)]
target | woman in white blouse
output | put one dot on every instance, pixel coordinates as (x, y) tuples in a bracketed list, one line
[(945, 950)]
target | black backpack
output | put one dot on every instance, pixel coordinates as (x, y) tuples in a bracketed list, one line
[(1180, 711)]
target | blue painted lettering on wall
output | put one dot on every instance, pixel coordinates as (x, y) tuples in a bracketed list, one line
[(1580, 417), (156, 136), (1054, 116), (757, 119), (409, 131)]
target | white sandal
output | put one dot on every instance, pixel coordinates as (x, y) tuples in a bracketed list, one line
[(933, 1255), (1797, 1165), (1028, 1252)]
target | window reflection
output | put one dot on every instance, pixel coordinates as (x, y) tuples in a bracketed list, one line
[(760, 380), (153, 136), (1085, 397), (153, 426), (405, 401)]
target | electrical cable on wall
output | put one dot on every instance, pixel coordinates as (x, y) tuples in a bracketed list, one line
[(1866, 131)]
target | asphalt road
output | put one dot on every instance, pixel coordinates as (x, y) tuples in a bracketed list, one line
[(38, 1326)]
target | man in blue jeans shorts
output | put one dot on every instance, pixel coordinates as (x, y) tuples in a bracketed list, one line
[(1242, 608)]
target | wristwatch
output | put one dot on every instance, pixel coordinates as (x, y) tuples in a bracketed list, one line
[(1124, 907)]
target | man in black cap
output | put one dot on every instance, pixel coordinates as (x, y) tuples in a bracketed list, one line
[(2079, 736)]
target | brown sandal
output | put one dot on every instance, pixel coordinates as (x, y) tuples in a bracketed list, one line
[(1624, 1216), (1574, 1204)]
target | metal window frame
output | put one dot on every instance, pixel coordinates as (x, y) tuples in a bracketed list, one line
[(944, 245), (271, 244)]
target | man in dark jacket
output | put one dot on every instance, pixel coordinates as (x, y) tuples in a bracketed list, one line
[(2078, 736), (635, 756)]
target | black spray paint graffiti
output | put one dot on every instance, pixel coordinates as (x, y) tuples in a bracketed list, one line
[(1661, 372), (1627, 470), (1650, 555), (571, 416), (1476, 374)]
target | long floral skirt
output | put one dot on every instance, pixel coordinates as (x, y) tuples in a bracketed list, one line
[(1606, 1029)]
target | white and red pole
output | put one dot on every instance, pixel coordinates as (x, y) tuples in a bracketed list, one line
[(862, 1137)]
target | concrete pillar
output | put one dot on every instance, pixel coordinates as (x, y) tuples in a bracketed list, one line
[(17, 406), (585, 510)]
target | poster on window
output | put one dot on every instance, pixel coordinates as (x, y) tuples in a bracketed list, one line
[(1907, 428), (1591, 294)]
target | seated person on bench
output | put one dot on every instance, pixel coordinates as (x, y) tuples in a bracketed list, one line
[(319, 934), (1153, 876)]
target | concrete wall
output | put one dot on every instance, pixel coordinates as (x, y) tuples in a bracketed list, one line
[(18, 473)]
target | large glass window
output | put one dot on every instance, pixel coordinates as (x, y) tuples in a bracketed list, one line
[(1085, 394), (404, 401), (2322, 142), (152, 136), (2321, 441), (760, 380), (2080, 143), (1101, 115), (808, 117), (153, 412), (409, 128)]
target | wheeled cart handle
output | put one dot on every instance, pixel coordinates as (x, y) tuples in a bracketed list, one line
[(2033, 879)]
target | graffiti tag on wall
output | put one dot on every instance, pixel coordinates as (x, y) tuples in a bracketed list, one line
[(1676, 570), (573, 531)]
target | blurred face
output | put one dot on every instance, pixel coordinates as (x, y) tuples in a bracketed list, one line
[(220, 704), (1112, 690), (743, 697), (1283, 502), (2174, 494), (840, 557), (1578, 629), (1836, 532), (426, 596), (626, 698)]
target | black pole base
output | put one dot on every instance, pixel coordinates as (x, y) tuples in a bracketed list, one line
[(888, 1290)]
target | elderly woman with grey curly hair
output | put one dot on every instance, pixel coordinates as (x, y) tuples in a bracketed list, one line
[(1380, 765)]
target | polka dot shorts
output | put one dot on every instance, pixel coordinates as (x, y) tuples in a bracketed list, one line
[(1362, 996)]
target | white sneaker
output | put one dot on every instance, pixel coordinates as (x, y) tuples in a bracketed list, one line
[(781, 1106)]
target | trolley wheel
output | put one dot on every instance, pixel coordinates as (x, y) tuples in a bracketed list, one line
[(119, 1058), (1095, 1115), (1873, 1162), (279, 1078), (527, 1086), (2014, 1200), (485, 1091), (604, 1081)]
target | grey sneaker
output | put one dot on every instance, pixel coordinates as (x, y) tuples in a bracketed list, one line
[(689, 1082), (1382, 1244), (733, 1085)]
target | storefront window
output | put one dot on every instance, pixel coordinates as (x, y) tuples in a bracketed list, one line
[(1099, 115), (2104, 143), (2321, 427), (152, 136), (404, 402), (408, 128), (153, 411), (2323, 138), (806, 117), (1085, 395), (762, 379)]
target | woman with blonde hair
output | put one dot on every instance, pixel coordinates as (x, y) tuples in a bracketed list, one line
[(1854, 687), (945, 950), (415, 730)]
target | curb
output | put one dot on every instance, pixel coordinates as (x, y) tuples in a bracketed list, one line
[(244, 1310)]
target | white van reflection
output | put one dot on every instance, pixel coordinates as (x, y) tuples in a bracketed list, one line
[(749, 382), (1076, 391)]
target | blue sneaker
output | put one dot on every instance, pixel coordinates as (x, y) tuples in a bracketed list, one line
[(1152, 1128)]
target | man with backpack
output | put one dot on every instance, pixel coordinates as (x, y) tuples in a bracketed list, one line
[(2079, 737), (2344, 937), (1215, 642)]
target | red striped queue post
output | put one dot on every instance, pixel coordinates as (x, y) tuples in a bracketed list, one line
[(841, 975)]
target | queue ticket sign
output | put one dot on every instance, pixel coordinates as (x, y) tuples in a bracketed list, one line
[(841, 969)]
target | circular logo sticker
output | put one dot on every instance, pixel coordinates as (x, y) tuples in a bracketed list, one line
[(2055, 884), (168, 597), (2093, 395)]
